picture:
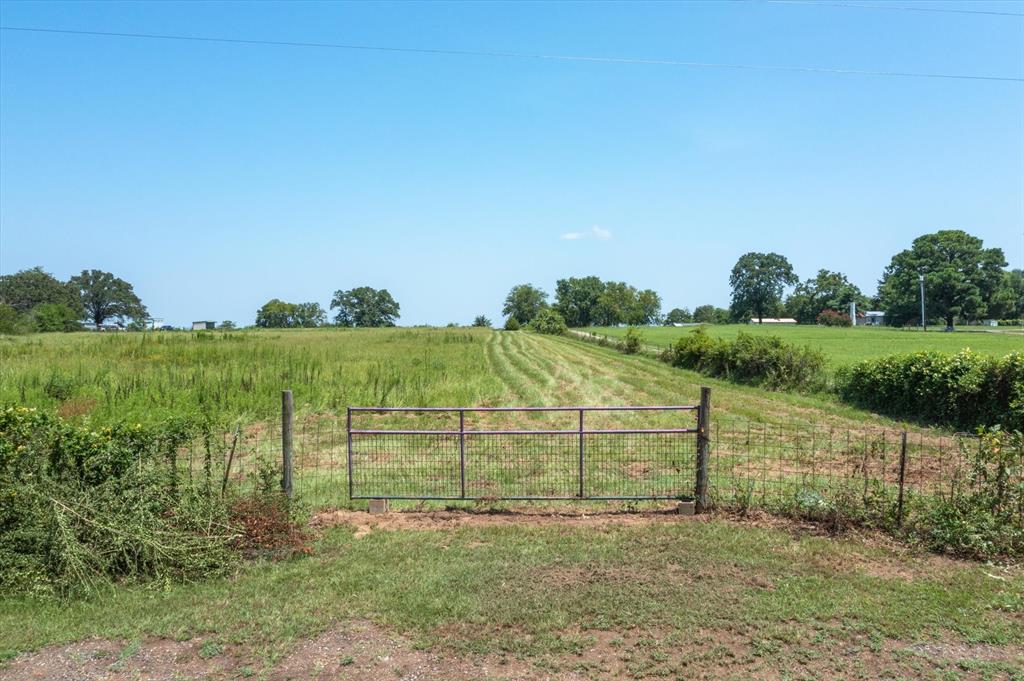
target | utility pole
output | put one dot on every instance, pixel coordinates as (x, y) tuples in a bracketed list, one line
[(921, 280)]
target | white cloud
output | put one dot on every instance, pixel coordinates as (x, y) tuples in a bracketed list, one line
[(596, 232)]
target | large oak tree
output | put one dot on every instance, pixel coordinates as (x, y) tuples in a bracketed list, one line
[(105, 296), (365, 306), (757, 281)]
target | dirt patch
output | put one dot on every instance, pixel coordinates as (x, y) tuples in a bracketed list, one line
[(363, 650), (364, 522), (155, 660)]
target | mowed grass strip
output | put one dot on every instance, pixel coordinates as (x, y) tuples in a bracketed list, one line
[(539, 589), (843, 346)]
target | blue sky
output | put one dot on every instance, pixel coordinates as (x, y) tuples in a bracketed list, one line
[(216, 176)]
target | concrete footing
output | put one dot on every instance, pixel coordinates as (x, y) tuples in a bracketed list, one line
[(378, 505), (687, 507)]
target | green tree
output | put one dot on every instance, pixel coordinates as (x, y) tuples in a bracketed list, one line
[(577, 298), (227, 325), (550, 322), (308, 315), (678, 315), (1008, 301), (709, 314), (275, 314), (960, 278), (365, 306), (757, 281), (826, 291), (26, 289), (523, 303), (481, 321), (49, 317), (647, 309), (12, 321), (105, 296)]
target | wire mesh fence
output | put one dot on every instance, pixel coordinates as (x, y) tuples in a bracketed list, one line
[(501, 455)]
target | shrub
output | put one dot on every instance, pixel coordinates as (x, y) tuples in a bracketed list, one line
[(963, 390), (12, 321), (511, 324), (550, 322), (767, 361), (82, 507), (631, 343), (833, 318), (983, 514)]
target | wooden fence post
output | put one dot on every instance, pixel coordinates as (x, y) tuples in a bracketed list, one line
[(703, 449), (287, 414)]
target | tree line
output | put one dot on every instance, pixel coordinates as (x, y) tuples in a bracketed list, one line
[(35, 300), (964, 282), (358, 307)]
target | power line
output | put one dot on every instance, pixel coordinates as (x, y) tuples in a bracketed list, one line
[(515, 55), (903, 8)]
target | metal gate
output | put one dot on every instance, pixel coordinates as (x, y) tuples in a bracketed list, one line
[(527, 453)]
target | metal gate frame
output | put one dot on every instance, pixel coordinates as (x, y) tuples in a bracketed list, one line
[(701, 431)]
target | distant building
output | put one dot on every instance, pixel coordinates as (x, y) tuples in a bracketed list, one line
[(873, 318), (204, 326), (773, 320)]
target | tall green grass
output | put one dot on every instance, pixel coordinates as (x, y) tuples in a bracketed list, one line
[(239, 375)]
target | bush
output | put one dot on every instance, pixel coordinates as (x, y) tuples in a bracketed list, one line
[(12, 321), (550, 322), (983, 515), (833, 318), (767, 361), (631, 343), (511, 324), (963, 390), (80, 507)]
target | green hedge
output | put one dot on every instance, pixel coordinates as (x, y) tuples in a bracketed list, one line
[(965, 390), (767, 361)]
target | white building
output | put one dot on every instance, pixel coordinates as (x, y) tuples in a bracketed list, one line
[(203, 326), (773, 320)]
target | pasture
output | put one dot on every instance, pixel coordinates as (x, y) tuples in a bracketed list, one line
[(236, 377), (844, 346), (552, 591)]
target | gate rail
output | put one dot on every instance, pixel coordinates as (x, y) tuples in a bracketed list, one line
[(671, 444)]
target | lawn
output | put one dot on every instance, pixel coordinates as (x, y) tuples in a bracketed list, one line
[(844, 346), (634, 596)]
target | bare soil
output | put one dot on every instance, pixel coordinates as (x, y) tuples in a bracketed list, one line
[(363, 650)]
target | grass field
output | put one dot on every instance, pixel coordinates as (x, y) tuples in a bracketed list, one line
[(845, 345), (237, 377), (615, 597), (454, 595)]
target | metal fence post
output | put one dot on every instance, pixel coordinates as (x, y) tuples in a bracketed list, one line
[(462, 453), (581, 453), (903, 475), (287, 414), (348, 427), (703, 449)]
